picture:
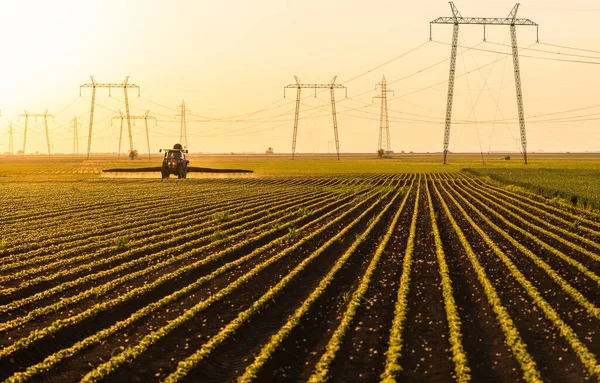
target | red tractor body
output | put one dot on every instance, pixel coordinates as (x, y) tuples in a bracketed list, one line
[(174, 162)]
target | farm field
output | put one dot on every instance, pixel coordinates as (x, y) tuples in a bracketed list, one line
[(348, 276), (579, 186)]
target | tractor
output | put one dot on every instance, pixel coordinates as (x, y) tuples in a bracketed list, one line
[(174, 162)]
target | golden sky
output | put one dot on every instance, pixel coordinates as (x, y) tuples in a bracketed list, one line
[(231, 58)]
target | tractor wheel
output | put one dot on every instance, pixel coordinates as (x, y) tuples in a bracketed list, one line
[(180, 171), (164, 173)]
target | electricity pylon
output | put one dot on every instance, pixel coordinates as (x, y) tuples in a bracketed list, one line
[(36, 115), (75, 136), (510, 20), (384, 122), (145, 117), (11, 148), (125, 85), (331, 86), (121, 116), (183, 130)]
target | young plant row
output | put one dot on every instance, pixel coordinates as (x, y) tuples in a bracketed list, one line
[(56, 231), (394, 351), (542, 209), (61, 207), (321, 370), (580, 267), (513, 339), (111, 285), (150, 308), (561, 282), (131, 353), (185, 366), (533, 217), (459, 357), (531, 199), (156, 236), (276, 225), (101, 236), (189, 238), (45, 240), (121, 221), (586, 357)]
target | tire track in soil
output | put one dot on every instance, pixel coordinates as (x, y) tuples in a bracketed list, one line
[(257, 330), (554, 357), (78, 366), (356, 361), (488, 356)]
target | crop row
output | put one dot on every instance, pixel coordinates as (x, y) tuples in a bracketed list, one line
[(103, 289), (557, 232), (152, 223), (202, 222), (587, 358), (515, 253), (234, 234), (527, 233), (512, 336), (542, 205), (121, 221), (213, 298), (131, 353), (109, 304), (188, 236)]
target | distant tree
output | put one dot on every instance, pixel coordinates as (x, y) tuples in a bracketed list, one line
[(381, 153), (133, 154), (270, 151), (20, 153)]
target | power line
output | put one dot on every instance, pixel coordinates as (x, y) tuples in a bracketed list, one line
[(531, 57), (387, 62), (572, 48), (552, 52)]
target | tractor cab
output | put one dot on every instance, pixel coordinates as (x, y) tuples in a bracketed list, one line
[(174, 162)]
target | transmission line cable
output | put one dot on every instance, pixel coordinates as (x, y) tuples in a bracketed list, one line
[(533, 57), (567, 47), (552, 52)]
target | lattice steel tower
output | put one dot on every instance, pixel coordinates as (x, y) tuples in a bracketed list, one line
[(125, 85), (11, 148), (36, 115), (331, 86), (183, 129), (512, 21), (75, 136), (145, 117), (384, 122)]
